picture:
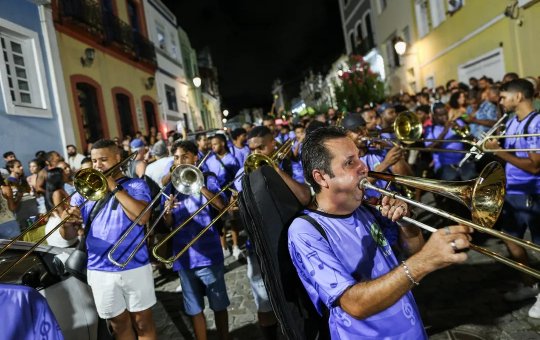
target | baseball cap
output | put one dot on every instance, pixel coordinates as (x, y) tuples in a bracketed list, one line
[(353, 121), (383, 107), (136, 144), (159, 149)]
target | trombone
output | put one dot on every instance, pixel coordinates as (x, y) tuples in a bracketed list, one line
[(484, 196), (252, 163), (186, 179), (408, 130), (89, 183)]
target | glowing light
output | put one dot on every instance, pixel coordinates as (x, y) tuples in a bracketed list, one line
[(197, 81)]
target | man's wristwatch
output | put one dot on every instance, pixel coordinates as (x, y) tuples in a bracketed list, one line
[(117, 189)]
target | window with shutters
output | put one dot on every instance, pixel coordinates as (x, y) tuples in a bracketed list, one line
[(21, 72)]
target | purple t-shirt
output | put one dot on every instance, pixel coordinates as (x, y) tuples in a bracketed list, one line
[(445, 158), (223, 168), (203, 167), (206, 251), (109, 225), (355, 252), (519, 181), (240, 153)]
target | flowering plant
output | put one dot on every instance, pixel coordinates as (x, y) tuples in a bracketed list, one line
[(359, 85)]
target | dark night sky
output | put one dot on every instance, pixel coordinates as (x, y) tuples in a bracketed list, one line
[(254, 42)]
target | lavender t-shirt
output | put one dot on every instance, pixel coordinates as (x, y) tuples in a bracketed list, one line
[(240, 153), (519, 181), (206, 251), (109, 225), (445, 158), (356, 251), (225, 169)]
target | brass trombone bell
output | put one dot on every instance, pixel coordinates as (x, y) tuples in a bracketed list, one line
[(186, 179), (252, 163), (484, 196), (89, 183), (407, 127)]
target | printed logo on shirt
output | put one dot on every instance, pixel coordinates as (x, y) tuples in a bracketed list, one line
[(379, 238)]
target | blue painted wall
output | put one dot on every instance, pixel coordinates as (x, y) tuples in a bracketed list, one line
[(26, 135)]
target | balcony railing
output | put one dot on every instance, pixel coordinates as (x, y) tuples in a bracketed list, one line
[(90, 16)]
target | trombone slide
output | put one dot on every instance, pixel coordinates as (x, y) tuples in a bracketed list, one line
[(526, 244), (497, 257)]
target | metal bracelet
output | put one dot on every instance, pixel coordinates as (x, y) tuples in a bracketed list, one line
[(408, 273)]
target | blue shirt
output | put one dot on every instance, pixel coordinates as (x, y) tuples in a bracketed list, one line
[(445, 158), (223, 168), (206, 251), (486, 111), (109, 225), (356, 251), (203, 167), (240, 153), (519, 181), (26, 315)]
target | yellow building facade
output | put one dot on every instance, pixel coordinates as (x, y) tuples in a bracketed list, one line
[(108, 66), (480, 38)]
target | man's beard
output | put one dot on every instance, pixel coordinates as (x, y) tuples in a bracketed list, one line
[(71, 154)]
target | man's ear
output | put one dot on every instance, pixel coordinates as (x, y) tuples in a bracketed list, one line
[(318, 176), (519, 97)]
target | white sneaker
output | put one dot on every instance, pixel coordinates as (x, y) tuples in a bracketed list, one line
[(226, 252), (236, 252), (522, 292), (179, 288), (534, 312)]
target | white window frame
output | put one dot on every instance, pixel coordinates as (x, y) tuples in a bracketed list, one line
[(437, 11), (160, 30), (380, 6), (34, 67), (422, 20)]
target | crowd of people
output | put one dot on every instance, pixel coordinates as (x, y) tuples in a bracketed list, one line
[(331, 154)]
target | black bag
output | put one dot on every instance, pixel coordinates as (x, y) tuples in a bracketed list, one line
[(267, 208)]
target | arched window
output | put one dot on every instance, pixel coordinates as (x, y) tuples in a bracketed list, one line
[(89, 113), (353, 42), (359, 33), (125, 118), (89, 109)]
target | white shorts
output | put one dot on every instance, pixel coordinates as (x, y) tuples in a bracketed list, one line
[(115, 292)]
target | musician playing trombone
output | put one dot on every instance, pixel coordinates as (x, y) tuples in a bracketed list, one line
[(522, 202), (352, 272), (125, 295), (261, 141), (201, 269)]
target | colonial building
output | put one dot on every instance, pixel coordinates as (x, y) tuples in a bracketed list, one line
[(109, 67), (171, 82), (34, 114), (393, 21), (472, 38), (211, 100), (193, 80)]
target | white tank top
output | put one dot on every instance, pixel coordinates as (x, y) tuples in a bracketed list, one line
[(6, 215)]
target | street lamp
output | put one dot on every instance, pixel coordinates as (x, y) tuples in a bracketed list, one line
[(224, 120), (225, 113), (197, 81), (400, 46)]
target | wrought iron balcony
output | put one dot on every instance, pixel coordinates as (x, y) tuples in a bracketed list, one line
[(92, 18)]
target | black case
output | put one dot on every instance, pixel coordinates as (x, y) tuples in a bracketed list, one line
[(267, 208)]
